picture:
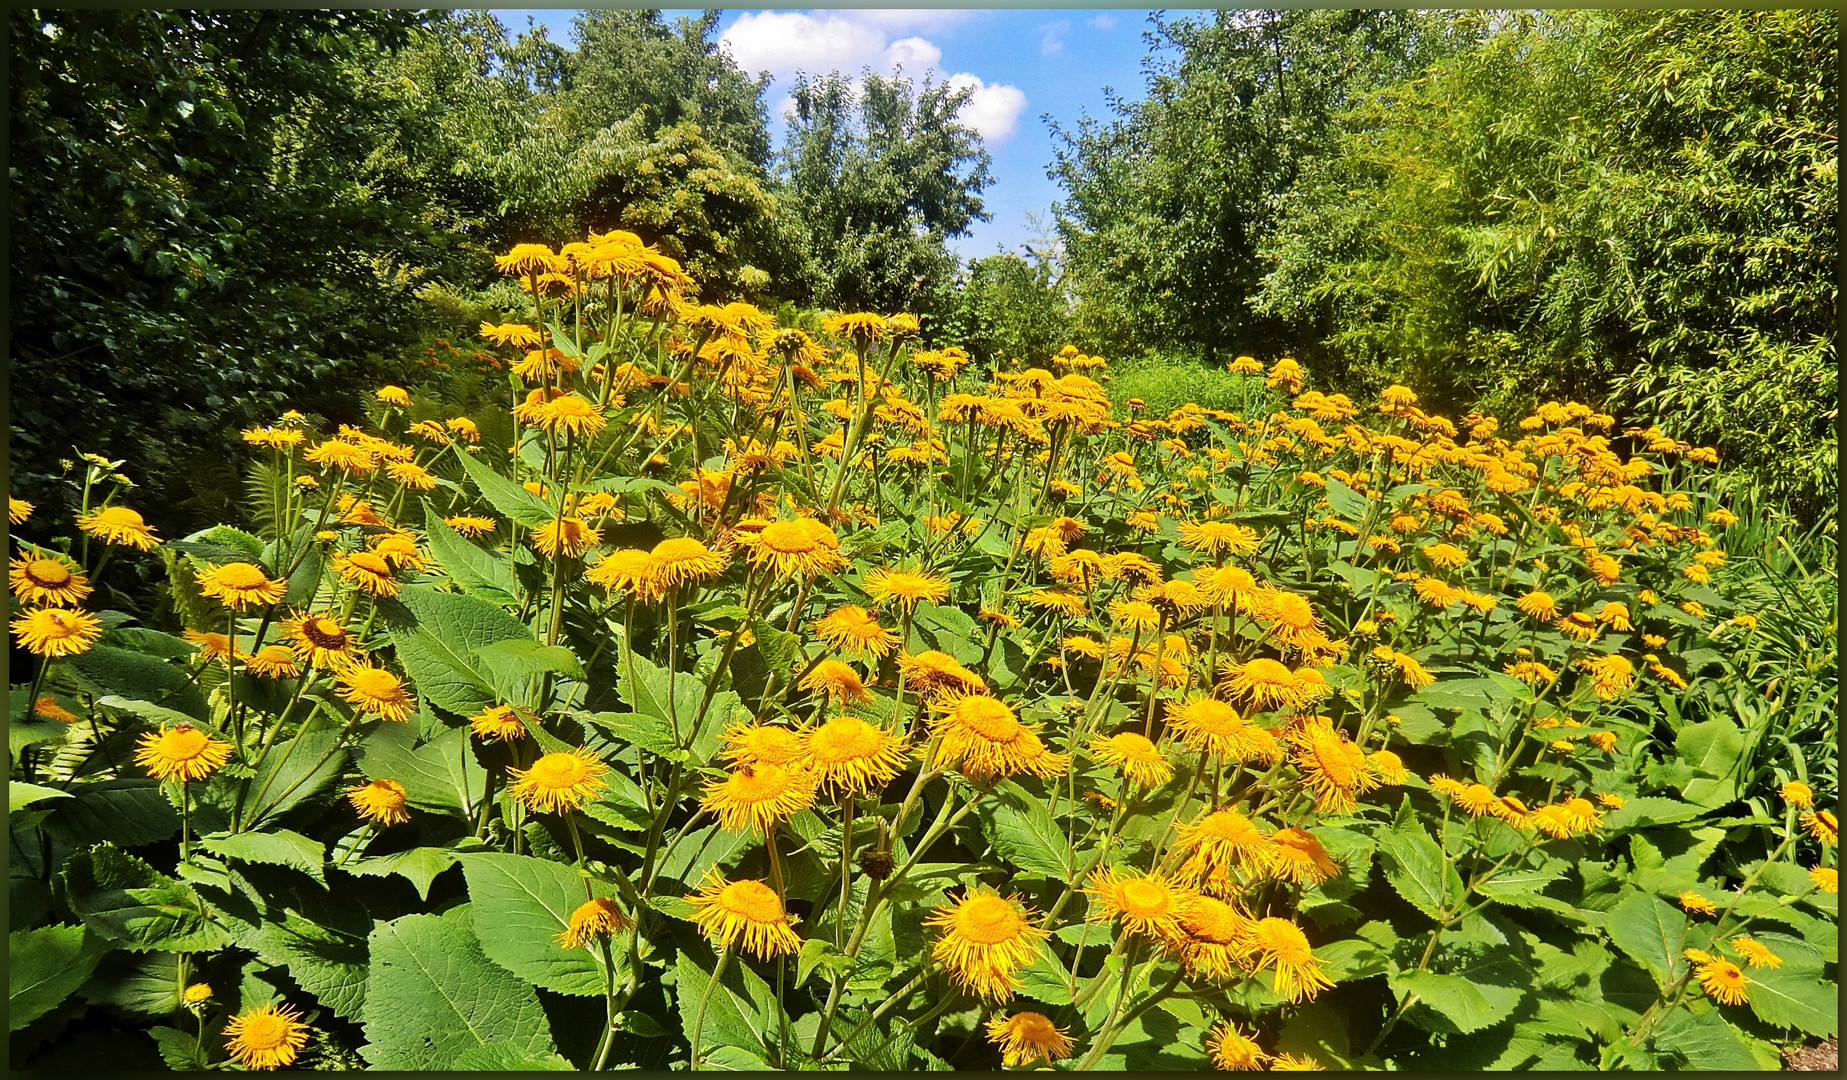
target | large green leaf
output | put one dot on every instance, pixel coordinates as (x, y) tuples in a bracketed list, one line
[(1024, 832), (475, 570), (20, 795), (730, 1019), (419, 866), (44, 966), (504, 495), (499, 1057), (1651, 932), (136, 906), (1414, 865), (1714, 748), (431, 996), (1704, 1041), (144, 983), (278, 848), (129, 812), (1791, 997), (514, 666), (300, 767), (529, 903), (327, 961), (442, 775), (436, 634), (648, 693), (105, 669), (1454, 1003)]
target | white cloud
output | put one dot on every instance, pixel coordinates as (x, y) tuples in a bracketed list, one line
[(1104, 21), (1052, 37), (784, 42), (915, 54), (993, 109)]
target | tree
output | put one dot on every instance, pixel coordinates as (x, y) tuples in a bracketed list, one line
[(194, 236), (1168, 203), (1008, 307), (881, 179)]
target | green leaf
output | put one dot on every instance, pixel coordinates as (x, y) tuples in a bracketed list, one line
[(651, 733), (1475, 693), (647, 693), (1024, 832), (1704, 1041), (279, 848), (1651, 932), (513, 666), (475, 570), (621, 805), (105, 670), (144, 983), (327, 961), (1415, 867), (290, 777), (442, 775), (431, 996), (128, 901), (20, 795), (729, 1018), (512, 500), (1646, 810), (1346, 502), (178, 1049), (305, 582), (529, 903), (1714, 748), (1454, 1003), (419, 866), (1788, 997), (499, 1057), (44, 966), (436, 635)]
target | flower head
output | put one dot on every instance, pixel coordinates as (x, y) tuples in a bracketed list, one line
[(240, 585), (1723, 981), (51, 631), (758, 796), (727, 912), (499, 722), (382, 801), (935, 674), (596, 918), (1028, 1036), (1232, 1051), (274, 662), (1280, 945), (266, 1038), (1333, 768), (1297, 856), (1220, 842), (44, 578), (985, 939), (320, 640), (1147, 904), (118, 525), (682, 560), (856, 632), (376, 691), (983, 737), (836, 680), (367, 571), (183, 751), (1140, 761), (906, 587), (767, 744), (851, 755), (559, 781)]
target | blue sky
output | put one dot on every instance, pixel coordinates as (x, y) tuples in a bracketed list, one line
[(1022, 65)]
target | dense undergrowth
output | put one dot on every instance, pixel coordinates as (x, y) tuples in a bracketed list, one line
[(654, 685)]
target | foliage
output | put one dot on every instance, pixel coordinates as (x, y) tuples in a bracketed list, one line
[(884, 174), (1618, 205), (1518, 736), (1008, 309), (1169, 202)]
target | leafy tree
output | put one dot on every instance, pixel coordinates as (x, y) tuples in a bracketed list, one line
[(1008, 307), (1618, 206), (194, 240), (1168, 202), (882, 177)]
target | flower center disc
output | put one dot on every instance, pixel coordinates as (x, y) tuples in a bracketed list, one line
[(242, 576), (1211, 921), (761, 783), (989, 719), (1145, 898), (789, 538), (371, 562), (264, 1032), (988, 920), (559, 771), (47, 573), (324, 634), (843, 739), (751, 900), (183, 744)]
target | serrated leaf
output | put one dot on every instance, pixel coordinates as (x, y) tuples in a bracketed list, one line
[(1454, 1003), (513, 666), (295, 772), (105, 670), (131, 903), (1415, 867), (729, 1020), (1651, 933), (20, 795), (44, 966), (1024, 832), (1704, 1041), (419, 866), (529, 903), (1648, 810), (510, 499), (474, 569), (281, 847), (432, 995), (178, 1049), (499, 1057), (326, 961), (441, 776), (144, 983), (436, 634), (1791, 998)]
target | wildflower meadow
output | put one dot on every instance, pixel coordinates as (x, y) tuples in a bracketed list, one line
[(661, 684)]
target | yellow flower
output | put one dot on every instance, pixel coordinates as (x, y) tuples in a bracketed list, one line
[(627, 570), (118, 525), (366, 571), (266, 1038), (983, 738), (1218, 537), (848, 754), (514, 334), (1232, 1051), (274, 662), (376, 691), (836, 680), (569, 536), (240, 585), (1333, 768), (1280, 945), (1388, 767), (54, 632), (906, 587), (747, 910), (1138, 758), (1538, 605), (197, 994), (598, 917), (1028, 1036), (682, 560), (1212, 937), (393, 395), (803, 547), (1821, 825), (49, 708), (470, 525), (1296, 856), (17, 510), (1147, 904), (1294, 1063), (1446, 556), (320, 640), (1755, 953), (758, 796), (1220, 842), (501, 722), (343, 454), (762, 744), (1826, 878), (1610, 675), (1797, 794), (47, 579), (1265, 684), (985, 939), (1723, 981), (1697, 904), (382, 801), (559, 781), (856, 632), (935, 674), (184, 752), (1615, 615)]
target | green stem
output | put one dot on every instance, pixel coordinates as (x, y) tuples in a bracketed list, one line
[(705, 999)]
